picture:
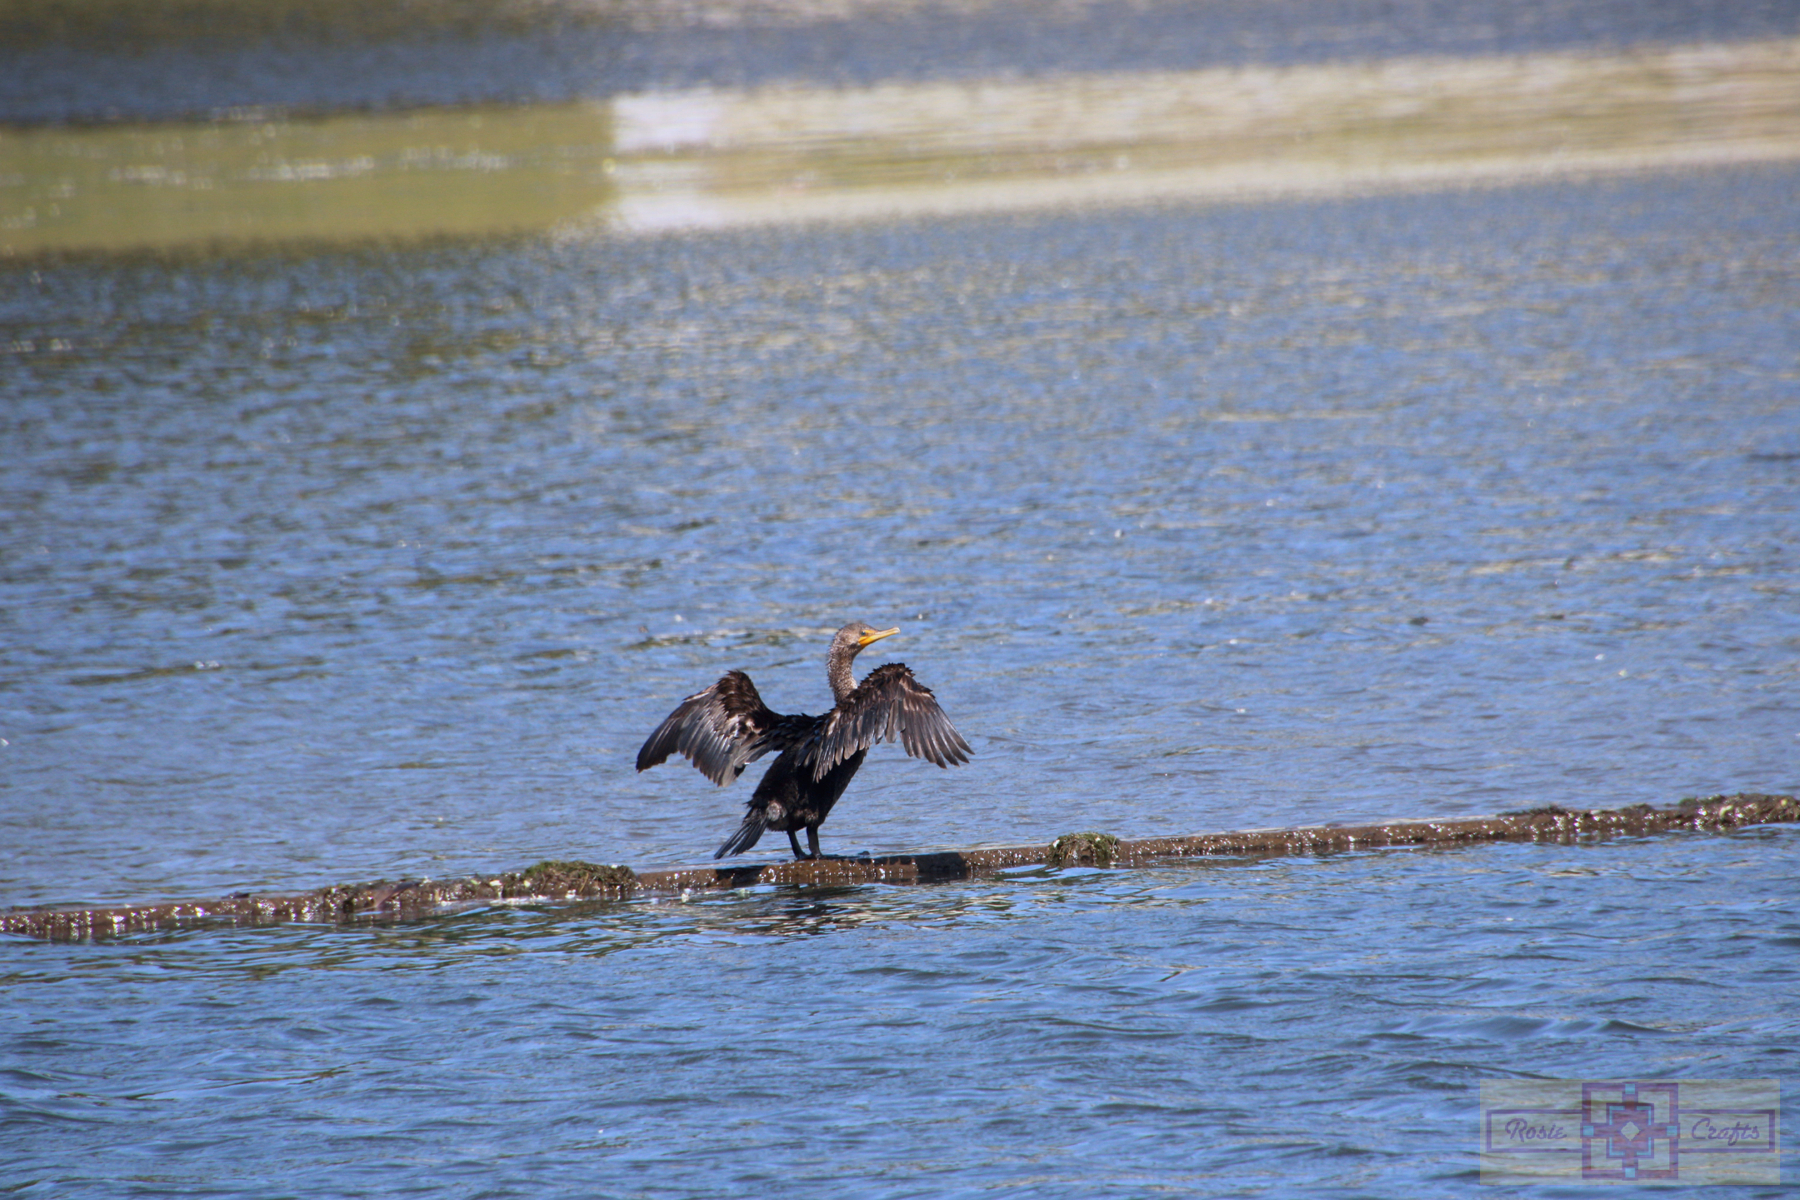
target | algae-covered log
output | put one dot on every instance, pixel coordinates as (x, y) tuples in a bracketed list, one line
[(406, 899), (558, 882)]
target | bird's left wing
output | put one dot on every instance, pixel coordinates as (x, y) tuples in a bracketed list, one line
[(721, 729), (889, 706)]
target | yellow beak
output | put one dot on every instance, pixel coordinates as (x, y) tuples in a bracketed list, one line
[(866, 638)]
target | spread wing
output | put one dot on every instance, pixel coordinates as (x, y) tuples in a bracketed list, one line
[(889, 706), (721, 729)]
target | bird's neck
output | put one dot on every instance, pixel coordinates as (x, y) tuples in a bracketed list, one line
[(837, 670)]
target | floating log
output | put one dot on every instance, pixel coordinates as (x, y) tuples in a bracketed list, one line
[(554, 882)]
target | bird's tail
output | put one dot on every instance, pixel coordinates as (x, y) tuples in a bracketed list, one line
[(747, 835)]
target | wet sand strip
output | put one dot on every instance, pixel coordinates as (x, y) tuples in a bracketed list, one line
[(553, 882)]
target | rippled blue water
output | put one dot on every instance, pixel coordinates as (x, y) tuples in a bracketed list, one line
[(1290, 1027), (363, 564)]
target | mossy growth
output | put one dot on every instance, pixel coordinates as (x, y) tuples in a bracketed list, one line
[(1543, 810), (1083, 849), (567, 878)]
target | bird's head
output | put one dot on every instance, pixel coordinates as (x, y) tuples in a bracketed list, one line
[(854, 636)]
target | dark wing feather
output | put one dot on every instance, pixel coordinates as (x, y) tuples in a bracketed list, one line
[(888, 706), (721, 729)]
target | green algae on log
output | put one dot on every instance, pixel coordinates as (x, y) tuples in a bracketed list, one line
[(552, 882), (402, 900), (1083, 849)]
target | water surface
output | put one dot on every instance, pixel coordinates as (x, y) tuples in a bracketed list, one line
[(125, 60), (332, 566), (1295, 1027)]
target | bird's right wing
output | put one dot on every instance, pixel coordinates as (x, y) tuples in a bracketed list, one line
[(888, 706), (719, 730)]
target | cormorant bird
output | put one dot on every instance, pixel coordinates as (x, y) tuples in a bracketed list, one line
[(728, 725)]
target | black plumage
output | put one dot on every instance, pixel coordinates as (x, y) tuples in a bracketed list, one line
[(727, 726)]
